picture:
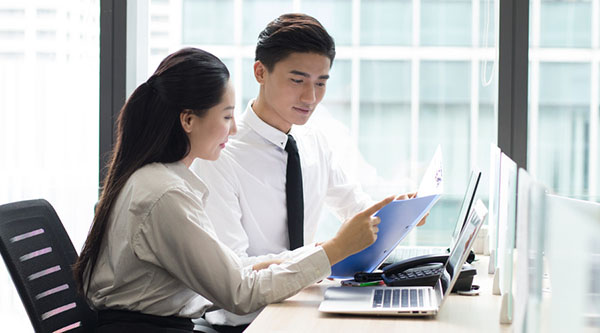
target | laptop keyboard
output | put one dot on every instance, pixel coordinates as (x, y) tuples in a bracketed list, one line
[(401, 298)]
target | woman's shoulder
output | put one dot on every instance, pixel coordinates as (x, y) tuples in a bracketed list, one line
[(154, 181), (155, 174), (159, 178)]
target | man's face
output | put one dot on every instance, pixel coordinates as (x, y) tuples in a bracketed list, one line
[(292, 90)]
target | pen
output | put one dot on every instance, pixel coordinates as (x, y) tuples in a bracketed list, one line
[(371, 283), (353, 283)]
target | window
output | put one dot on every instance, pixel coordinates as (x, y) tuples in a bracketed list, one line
[(384, 116), (446, 23), (206, 22), (48, 120), (407, 76), (563, 97)]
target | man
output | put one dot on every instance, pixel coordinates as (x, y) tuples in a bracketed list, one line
[(250, 184)]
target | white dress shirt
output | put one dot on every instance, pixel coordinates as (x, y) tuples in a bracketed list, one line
[(161, 255), (247, 184)]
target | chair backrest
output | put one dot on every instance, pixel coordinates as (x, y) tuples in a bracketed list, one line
[(39, 255)]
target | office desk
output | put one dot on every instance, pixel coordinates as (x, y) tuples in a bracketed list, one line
[(458, 314)]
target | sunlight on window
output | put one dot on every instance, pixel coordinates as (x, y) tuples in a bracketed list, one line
[(48, 118)]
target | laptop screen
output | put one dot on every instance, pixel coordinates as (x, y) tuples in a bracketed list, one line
[(463, 246), (466, 205)]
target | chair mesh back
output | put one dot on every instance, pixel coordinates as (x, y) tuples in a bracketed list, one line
[(39, 255)]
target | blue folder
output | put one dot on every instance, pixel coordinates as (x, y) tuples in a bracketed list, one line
[(397, 219)]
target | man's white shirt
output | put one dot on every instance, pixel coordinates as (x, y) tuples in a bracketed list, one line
[(248, 202)]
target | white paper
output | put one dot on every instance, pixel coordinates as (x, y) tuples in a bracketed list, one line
[(432, 181)]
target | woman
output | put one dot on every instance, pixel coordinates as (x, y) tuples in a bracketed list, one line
[(151, 260)]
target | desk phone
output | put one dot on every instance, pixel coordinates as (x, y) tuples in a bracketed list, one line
[(425, 271)]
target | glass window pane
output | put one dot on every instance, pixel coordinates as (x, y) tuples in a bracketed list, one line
[(49, 102), (12, 13), (258, 13), (384, 22), (207, 21), (486, 127), (564, 84), (334, 15), (563, 108), (444, 119), (560, 130), (249, 85), (339, 90), (565, 23), (445, 23), (487, 17), (385, 117)]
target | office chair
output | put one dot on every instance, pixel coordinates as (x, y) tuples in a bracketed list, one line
[(39, 254)]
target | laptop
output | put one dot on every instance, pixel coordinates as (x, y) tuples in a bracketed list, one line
[(408, 301), (406, 252)]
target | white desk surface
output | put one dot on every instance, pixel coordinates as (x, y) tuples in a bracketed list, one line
[(458, 314)]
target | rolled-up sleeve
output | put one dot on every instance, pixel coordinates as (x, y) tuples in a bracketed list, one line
[(178, 236)]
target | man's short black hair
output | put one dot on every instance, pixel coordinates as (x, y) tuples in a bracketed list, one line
[(291, 33)]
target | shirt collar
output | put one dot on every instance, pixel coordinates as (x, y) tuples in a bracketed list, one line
[(265, 130), (197, 185)]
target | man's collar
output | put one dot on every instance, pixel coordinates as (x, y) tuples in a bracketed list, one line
[(265, 130)]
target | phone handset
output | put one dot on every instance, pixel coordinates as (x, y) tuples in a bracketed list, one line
[(409, 263)]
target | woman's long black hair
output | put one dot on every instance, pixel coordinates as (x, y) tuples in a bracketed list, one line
[(149, 130)]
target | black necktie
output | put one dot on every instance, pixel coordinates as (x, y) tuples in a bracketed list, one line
[(293, 192)]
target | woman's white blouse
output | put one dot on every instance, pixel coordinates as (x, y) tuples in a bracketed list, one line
[(161, 255)]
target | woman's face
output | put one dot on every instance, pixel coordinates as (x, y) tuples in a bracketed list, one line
[(208, 134)]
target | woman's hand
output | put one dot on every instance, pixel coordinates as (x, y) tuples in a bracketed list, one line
[(355, 234)]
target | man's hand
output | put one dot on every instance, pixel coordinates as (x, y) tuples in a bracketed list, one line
[(411, 195), (406, 196)]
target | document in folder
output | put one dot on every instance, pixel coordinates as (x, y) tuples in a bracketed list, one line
[(432, 181), (398, 218)]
